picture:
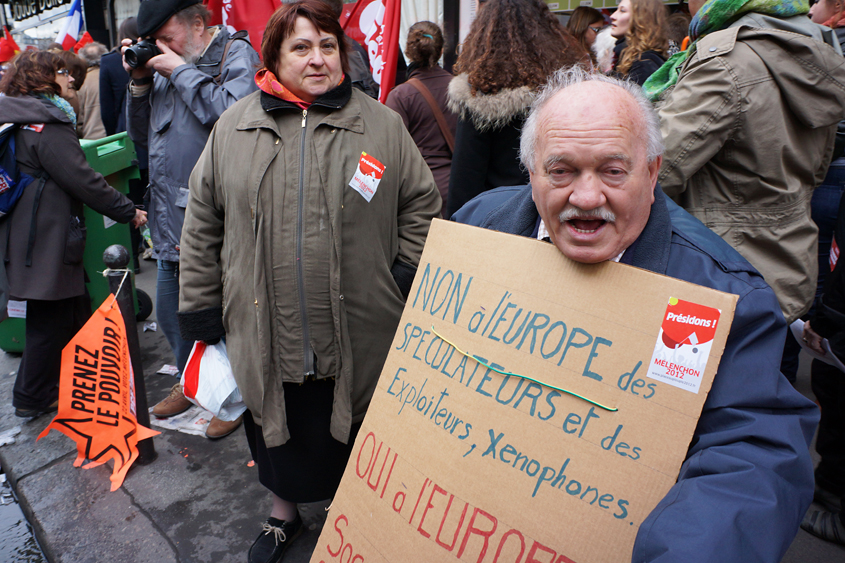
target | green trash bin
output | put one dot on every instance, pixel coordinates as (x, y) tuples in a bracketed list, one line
[(113, 157)]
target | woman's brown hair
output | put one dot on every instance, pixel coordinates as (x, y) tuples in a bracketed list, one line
[(425, 44), (580, 21), (646, 33), (515, 43), (76, 66), (283, 22), (32, 72)]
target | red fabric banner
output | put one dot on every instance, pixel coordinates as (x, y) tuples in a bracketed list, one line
[(251, 15), (97, 395), (375, 24)]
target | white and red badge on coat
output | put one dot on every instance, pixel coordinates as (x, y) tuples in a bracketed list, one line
[(683, 345), (367, 176)]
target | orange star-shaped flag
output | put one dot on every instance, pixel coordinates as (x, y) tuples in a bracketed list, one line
[(97, 395)]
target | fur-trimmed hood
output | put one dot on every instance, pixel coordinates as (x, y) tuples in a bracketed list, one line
[(488, 111)]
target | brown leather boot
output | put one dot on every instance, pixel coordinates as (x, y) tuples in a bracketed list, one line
[(219, 428), (174, 404)]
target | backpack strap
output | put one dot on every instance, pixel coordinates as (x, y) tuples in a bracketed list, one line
[(438, 114), (242, 35), (42, 179)]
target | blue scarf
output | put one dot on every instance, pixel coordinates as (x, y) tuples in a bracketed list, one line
[(62, 104)]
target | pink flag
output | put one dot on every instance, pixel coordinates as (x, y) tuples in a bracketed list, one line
[(72, 27)]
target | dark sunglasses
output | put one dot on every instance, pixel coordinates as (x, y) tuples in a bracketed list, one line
[(63, 72)]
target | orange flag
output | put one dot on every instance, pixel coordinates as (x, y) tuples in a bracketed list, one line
[(97, 395)]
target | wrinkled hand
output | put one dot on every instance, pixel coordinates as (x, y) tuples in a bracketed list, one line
[(140, 218), (134, 73), (813, 340), (166, 62)]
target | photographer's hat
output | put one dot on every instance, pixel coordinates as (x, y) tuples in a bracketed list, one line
[(154, 13)]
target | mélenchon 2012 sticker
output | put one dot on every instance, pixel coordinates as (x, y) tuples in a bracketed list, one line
[(683, 345)]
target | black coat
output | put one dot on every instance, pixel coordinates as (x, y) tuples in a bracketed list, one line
[(113, 81), (487, 141), (643, 67), (56, 270)]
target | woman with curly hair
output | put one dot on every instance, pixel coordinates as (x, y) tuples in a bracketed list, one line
[(640, 29), (512, 48), (584, 24), (44, 236)]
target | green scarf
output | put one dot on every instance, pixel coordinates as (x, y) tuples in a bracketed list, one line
[(62, 104), (713, 16)]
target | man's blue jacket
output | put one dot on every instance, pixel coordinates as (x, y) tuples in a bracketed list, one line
[(748, 477)]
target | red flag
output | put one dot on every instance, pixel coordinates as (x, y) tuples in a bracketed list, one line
[(10, 41), (251, 15), (97, 395), (375, 24), (7, 53), (86, 39)]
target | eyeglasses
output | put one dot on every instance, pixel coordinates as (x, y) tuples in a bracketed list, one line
[(63, 72), (596, 29)]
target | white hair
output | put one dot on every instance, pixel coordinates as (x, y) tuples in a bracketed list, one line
[(566, 77)]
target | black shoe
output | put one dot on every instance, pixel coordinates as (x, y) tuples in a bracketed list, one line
[(274, 540), (827, 499), (32, 413), (825, 525)]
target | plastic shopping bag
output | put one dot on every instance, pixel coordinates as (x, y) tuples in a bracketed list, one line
[(208, 381)]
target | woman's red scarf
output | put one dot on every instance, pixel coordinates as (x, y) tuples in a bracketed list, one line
[(267, 82), (834, 24)]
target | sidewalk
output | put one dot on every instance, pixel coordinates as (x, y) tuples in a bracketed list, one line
[(199, 501)]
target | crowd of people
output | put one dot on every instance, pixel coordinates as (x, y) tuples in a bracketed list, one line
[(707, 145)]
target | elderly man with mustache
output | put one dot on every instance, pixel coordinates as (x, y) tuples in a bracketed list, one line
[(592, 146)]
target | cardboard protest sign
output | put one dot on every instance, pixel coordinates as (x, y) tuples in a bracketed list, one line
[(97, 395), (459, 457)]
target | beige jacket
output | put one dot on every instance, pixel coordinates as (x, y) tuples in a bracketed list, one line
[(749, 132), (227, 241), (89, 122)]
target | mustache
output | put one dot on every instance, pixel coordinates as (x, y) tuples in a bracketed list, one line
[(573, 212)]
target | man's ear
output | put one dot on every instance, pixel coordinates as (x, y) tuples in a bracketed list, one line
[(531, 181), (654, 170)]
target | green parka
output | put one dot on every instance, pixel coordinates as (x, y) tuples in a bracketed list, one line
[(228, 243), (749, 132)]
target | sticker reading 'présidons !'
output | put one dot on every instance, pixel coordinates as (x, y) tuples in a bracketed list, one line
[(683, 345), (367, 176)]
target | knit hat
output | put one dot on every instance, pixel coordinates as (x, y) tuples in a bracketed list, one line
[(154, 13)]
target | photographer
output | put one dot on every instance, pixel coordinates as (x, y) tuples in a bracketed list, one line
[(180, 85)]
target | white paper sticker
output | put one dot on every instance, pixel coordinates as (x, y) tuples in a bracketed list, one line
[(367, 176), (16, 309), (683, 344), (108, 222)]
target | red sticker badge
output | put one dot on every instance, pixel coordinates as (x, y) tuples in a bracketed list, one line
[(367, 176), (683, 345)]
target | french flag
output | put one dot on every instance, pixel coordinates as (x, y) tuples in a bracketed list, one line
[(72, 27)]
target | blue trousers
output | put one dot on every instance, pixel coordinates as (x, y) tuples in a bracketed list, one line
[(167, 305)]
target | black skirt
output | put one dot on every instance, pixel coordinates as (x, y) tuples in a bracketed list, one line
[(308, 467)]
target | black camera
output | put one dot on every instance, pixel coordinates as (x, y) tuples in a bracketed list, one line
[(138, 54)]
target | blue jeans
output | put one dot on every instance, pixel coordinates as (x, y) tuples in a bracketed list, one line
[(824, 208), (167, 305)]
